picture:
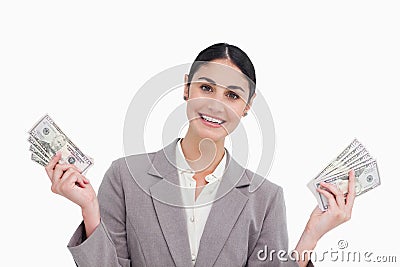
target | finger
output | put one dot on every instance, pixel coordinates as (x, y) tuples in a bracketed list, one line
[(338, 194), (60, 169), (351, 195), (70, 178), (77, 178), (67, 173), (50, 166), (58, 182), (331, 199), (74, 171), (80, 181), (73, 177), (85, 180)]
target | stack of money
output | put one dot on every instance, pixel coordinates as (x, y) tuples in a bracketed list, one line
[(354, 157), (46, 139)]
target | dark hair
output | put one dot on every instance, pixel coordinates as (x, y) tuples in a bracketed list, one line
[(226, 51)]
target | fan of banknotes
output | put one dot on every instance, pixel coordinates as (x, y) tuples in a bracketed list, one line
[(354, 157), (46, 139)]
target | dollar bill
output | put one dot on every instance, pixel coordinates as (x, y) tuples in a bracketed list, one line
[(52, 139), (38, 160), (38, 147), (359, 150), (367, 178), (311, 186), (351, 163), (332, 165), (359, 164), (354, 157), (348, 159), (38, 155)]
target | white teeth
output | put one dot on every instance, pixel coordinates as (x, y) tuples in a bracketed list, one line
[(211, 119)]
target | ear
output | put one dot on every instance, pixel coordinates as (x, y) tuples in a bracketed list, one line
[(186, 90)]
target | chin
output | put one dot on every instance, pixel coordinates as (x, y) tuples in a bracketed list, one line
[(215, 134), (213, 137)]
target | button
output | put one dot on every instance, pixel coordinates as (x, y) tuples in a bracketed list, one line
[(210, 178), (192, 218)]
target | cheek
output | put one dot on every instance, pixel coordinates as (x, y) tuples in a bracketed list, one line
[(193, 106), (194, 91), (234, 118), (236, 111)]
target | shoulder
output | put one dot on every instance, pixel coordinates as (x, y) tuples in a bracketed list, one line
[(137, 163), (262, 189), (251, 183), (136, 159), (130, 174), (259, 182)]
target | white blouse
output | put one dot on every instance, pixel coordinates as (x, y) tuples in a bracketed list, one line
[(197, 211)]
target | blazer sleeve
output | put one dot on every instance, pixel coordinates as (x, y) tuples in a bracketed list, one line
[(273, 237), (107, 245)]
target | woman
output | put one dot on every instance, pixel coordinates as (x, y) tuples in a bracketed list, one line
[(140, 221)]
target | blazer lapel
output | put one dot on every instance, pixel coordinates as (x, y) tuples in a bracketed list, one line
[(167, 201), (224, 213)]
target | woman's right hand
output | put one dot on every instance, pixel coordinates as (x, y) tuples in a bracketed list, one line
[(67, 181)]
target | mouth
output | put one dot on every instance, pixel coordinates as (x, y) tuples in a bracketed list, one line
[(210, 119)]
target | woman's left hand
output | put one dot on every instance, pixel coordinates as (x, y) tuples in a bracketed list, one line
[(339, 209), (320, 222)]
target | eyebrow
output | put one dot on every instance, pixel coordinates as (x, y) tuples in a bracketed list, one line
[(233, 87)]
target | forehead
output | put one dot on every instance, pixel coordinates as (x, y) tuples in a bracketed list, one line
[(222, 74)]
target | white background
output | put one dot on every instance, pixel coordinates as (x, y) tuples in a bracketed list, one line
[(329, 71)]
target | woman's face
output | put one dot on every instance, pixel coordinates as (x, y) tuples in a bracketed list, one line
[(218, 95)]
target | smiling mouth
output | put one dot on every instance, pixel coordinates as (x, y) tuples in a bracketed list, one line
[(211, 119)]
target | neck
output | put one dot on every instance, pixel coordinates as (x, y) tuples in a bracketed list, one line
[(202, 155)]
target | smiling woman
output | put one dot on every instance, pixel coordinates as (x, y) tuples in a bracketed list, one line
[(190, 202)]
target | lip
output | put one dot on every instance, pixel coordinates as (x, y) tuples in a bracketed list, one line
[(200, 114), (210, 124)]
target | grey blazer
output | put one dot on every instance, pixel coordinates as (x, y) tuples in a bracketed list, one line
[(142, 223)]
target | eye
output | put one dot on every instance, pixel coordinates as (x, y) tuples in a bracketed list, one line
[(206, 87), (233, 95)]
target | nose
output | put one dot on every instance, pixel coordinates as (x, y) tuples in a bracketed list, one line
[(215, 105)]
